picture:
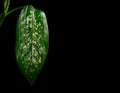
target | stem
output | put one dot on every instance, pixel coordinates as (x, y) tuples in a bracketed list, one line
[(6, 5), (14, 10), (1, 21), (3, 18)]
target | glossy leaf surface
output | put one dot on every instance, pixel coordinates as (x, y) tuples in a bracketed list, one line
[(31, 42)]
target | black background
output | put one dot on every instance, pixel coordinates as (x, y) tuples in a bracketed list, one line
[(53, 73), (77, 52)]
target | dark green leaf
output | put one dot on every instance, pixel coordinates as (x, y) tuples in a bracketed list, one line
[(31, 42)]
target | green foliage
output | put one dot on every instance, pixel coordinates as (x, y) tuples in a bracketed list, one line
[(32, 39), (31, 42)]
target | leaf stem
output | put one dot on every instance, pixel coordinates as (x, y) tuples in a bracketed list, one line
[(6, 5), (14, 10)]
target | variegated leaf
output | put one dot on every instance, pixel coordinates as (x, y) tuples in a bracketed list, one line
[(31, 42)]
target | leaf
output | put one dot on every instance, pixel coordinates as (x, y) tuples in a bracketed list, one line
[(32, 40)]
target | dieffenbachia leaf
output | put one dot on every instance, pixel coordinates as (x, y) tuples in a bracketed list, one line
[(32, 41)]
